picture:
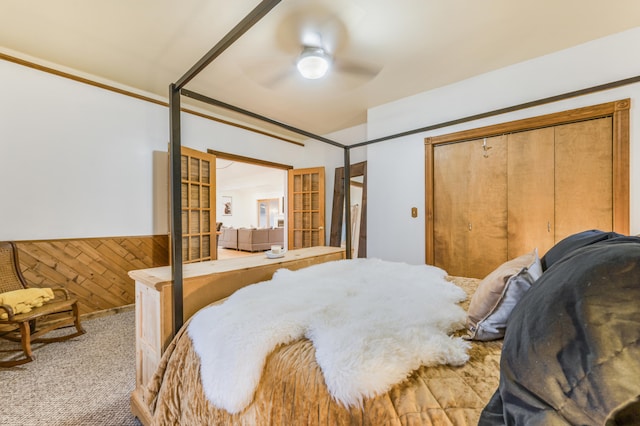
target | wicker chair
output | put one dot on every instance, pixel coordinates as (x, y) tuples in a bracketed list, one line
[(59, 312)]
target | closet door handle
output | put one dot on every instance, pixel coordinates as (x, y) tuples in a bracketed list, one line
[(469, 226), (548, 226)]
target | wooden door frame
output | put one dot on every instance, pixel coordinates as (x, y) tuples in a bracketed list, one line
[(256, 162), (618, 110)]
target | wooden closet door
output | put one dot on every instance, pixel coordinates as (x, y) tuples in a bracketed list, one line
[(487, 206), (470, 207), (530, 191), (583, 177), (589, 180), (450, 207)]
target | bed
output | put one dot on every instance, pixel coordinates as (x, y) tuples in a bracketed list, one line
[(547, 341), (292, 388), (571, 350)]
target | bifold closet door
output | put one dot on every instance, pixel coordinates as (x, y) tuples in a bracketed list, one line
[(530, 169), (583, 177), (470, 206), (450, 205), (565, 173)]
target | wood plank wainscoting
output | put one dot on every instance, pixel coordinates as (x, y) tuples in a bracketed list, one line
[(94, 270)]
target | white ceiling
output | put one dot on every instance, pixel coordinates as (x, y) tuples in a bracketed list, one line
[(415, 45), (234, 176)]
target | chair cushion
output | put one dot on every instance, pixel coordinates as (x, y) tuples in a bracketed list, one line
[(24, 300)]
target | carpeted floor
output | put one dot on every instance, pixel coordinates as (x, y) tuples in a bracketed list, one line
[(83, 381)]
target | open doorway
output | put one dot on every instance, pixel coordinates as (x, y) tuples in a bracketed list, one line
[(251, 197)]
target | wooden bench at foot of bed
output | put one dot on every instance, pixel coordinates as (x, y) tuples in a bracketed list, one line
[(203, 283)]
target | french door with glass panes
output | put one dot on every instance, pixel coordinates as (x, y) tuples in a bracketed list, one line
[(198, 179), (306, 206)]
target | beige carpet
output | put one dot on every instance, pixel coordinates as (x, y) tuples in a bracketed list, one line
[(84, 381)]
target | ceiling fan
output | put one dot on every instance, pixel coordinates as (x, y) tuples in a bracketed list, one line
[(313, 42), (313, 63)]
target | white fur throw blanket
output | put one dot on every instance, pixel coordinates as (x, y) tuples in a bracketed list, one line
[(372, 323)]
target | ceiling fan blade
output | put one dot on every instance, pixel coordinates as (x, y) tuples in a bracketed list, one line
[(268, 71), (278, 79), (311, 25), (361, 68)]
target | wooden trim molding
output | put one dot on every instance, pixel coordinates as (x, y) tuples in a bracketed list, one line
[(554, 119), (621, 164), (135, 95), (618, 110), (429, 203), (250, 160)]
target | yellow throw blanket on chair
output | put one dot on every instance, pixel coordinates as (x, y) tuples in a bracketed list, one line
[(22, 301)]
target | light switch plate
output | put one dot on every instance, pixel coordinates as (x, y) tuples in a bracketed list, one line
[(414, 212)]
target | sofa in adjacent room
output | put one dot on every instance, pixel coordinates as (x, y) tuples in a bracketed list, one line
[(259, 239), (228, 238)]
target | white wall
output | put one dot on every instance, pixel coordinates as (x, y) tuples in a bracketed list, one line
[(245, 206), (75, 160), (78, 161), (396, 167), (196, 135)]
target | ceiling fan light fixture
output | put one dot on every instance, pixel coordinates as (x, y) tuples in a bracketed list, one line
[(313, 63)]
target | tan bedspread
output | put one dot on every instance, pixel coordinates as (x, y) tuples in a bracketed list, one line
[(292, 390)]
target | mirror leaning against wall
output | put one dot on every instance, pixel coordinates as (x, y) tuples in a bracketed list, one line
[(358, 225)]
